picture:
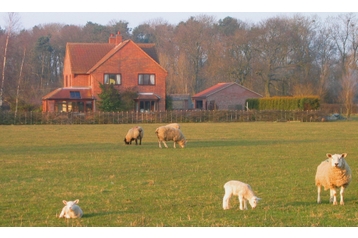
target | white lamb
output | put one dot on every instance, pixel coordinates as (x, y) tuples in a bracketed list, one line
[(71, 209), (134, 134), (331, 174), (244, 193), (168, 133), (175, 125)]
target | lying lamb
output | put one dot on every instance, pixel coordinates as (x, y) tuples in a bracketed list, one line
[(331, 174), (175, 125), (168, 133), (243, 191), (136, 133), (71, 209)]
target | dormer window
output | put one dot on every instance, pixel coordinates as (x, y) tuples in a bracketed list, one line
[(112, 79), (75, 95), (146, 79)]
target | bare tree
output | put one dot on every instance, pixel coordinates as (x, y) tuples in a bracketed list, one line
[(19, 83), (349, 84), (12, 21)]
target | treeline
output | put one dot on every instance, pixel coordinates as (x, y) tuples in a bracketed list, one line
[(279, 56)]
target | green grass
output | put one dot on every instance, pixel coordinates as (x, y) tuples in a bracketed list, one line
[(144, 186)]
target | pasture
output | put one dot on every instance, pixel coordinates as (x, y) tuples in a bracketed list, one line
[(122, 185)]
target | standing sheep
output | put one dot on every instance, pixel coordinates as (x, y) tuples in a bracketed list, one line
[(71, 209), (244, 193), (136, 133), (168, 133), (175, 125), (331, 174)]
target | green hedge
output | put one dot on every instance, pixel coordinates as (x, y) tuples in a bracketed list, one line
[(284, 103)]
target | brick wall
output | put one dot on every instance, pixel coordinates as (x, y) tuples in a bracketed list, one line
[(230, 96)]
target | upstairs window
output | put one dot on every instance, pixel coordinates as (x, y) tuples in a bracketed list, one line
[(75, 95), (146, 79), (112, 79)]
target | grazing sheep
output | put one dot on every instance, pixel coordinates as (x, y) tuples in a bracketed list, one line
[(175, 125), (71, 209), (244, 193), (136, 133), (331, 174), (168, 133)]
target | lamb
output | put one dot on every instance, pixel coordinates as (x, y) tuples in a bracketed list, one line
[(168, 133), (71, 209), (134, 134), (244, 193), (331, 174), (175, 125)]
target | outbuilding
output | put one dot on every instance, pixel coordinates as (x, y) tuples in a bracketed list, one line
[(223, 96)]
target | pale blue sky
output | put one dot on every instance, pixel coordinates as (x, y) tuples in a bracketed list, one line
[(31, 19), (37, 12)]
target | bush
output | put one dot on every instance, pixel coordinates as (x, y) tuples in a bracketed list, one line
[(284, 103)]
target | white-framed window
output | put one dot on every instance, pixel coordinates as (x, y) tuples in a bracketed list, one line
[(146, 79), (112, 79)]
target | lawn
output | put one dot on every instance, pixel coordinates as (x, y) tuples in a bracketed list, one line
[(122, 185)]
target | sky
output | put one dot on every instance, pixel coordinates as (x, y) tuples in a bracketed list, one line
[(140, 11)]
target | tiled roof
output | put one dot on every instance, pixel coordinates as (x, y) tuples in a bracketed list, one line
[(84, 56), (147, 96), (214, 89), (150, 50), (64, 93), (108, 55)]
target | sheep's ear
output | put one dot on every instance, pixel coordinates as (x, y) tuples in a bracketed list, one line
[(76, 201), (344, 155), (328, 155), (64, 202), (258, 199)]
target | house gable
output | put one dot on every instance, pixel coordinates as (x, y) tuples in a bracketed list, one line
[(87, 64)]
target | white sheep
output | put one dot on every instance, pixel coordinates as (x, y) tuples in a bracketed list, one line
[(175, 125), (71, 209), (134, 134), (244, 193), (331, 174), (168, 133)]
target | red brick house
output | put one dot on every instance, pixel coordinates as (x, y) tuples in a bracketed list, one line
[(223, 96), (125, 64)]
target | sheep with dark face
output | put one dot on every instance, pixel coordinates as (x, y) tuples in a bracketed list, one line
[(331, 174), (71, 209), (134, 134), (168, 133)]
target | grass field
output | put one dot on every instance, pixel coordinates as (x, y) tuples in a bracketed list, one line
[(144, 186)]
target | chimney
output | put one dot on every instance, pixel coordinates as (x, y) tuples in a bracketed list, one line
[(117, 39)]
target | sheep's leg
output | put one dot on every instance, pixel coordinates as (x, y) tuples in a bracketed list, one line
[(62, 213), (245, 204), (226, 201), (241, 200), (319, 194), (174, 144), (165, 144), (333, 197), (140, 141), (160, 145), (341, 193), (136, 141)]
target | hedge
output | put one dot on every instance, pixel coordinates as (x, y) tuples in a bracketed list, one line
[(284, 103)]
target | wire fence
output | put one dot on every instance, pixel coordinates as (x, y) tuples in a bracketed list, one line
[(180, 116)]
